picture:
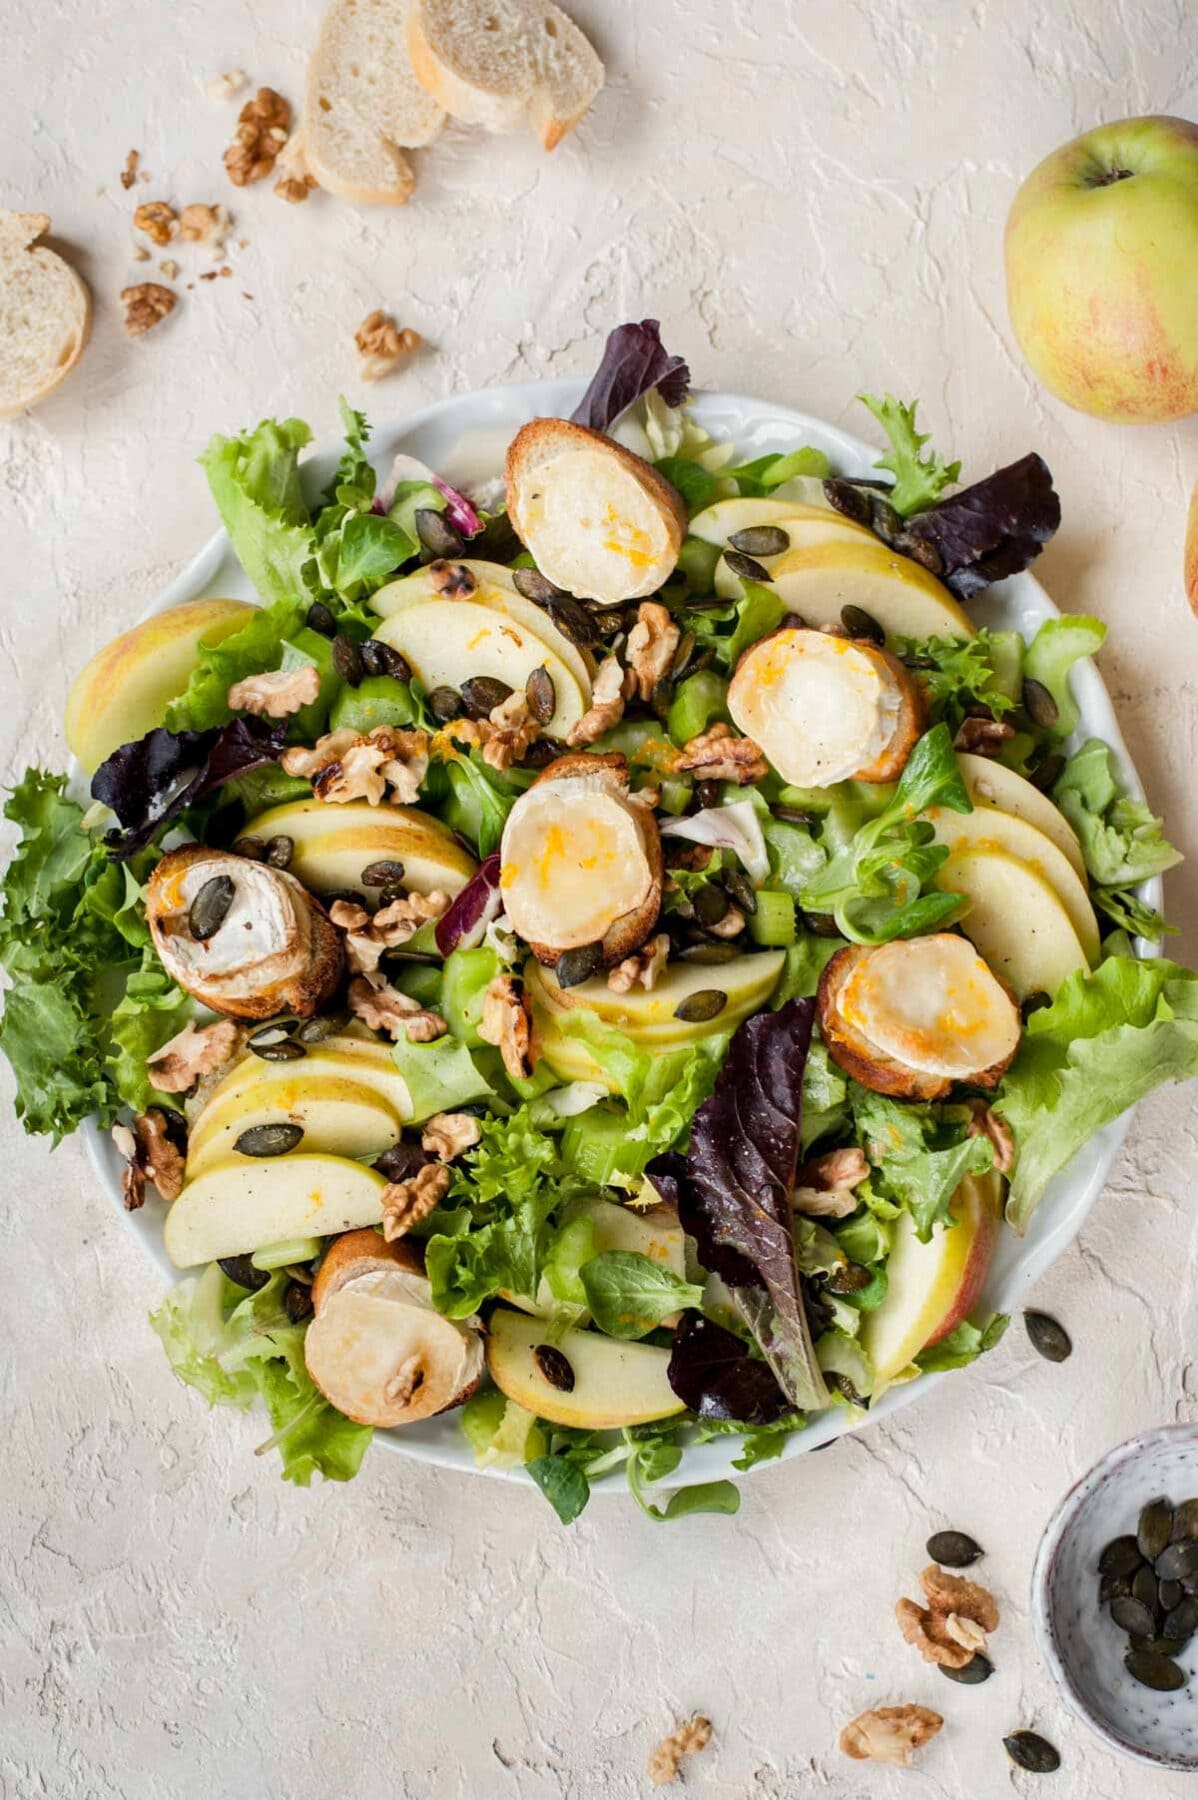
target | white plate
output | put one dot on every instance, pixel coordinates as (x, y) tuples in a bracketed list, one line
[(465, 437)]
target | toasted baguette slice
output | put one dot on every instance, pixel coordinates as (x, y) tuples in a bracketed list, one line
[(45, 314), (363, 107), (503, 64), (599, 520)]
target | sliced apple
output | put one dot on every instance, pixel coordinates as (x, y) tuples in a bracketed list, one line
[(496, 589), (345, 1118), (649, 1015), (932, 1287), (904, 599), (991, 783), (988, 828), (1015, 921), (615, 1384), (654, 1233), (125, 689), (716, 524), (245, 1204), (334, 843)]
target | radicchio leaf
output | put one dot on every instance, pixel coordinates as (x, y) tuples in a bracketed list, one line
[(634, 360), (992, 529), (713, 1372), (462, 927), (732, 1189), (150, 781), (458, 510)]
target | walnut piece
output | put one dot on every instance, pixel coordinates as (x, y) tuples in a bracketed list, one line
[(346, 765), (355, 776), (966, 1632), (451, 580), (447, 1135), (263, 125), (146, 305), (129, 172), (666, 1761), (505, 1023), (652, 643), (717, 755), (384, 1008), (305, 763), (296, 181), (983, 736), (366, 938), (133, 1175), (988, 1124), (405, 1203), (730, 926), (276, 694), (504, 735), (158, 220), (644, 966), (835, 1169), (382, 344), (195, 1051), (406, 763), (163, 1163), (226, 85), (948, 1593), (925, 1631), (889, 1734), (203, 224), (607, 704)]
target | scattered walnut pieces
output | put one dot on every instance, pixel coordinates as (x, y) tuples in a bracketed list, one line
[(129, 172), (608, 693), (949, 1593), (889, 1734), (263, 126), (226, 86), (666, 1761), (447, 1135), (824, 1186), (983, 736), (988, 1124), (200, 223), (159, 221), (717, 755), (405, 1203), (384, 1008), (146, 305), (346, 765), (149, 1156), (652, 643), (644, 966), (295, 179), (366, 938), (952, 1628), (505, 1023), (276, 694), (382, 345), (503, 736), (195, 1051)]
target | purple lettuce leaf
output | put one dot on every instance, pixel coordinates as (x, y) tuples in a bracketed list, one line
[(990, 530), (732, 1189), (462, 927), (150, 781), (712, 1371), (634, 360), (460, 512)]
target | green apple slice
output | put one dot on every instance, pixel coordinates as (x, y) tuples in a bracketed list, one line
[(615, 1384), (1015, 920), (247, 1203), (649, 1015), (342, 1116), (716, 524), (904, 599), (988, 828), (334, 843), (804, 535), (991, 783)]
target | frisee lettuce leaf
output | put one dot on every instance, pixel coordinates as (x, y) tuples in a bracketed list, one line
[(1121, 838), (920, 1154), (919, 480)]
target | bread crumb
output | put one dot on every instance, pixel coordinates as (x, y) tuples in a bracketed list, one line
[(140, 253), (225, 86), (129, 172), (146, 305), (666, 1761), (382, 345), (169, 268), (159, 221)]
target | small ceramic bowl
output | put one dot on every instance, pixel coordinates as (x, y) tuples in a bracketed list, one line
[(1080, 1643)]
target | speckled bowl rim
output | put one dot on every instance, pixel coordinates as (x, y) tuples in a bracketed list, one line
[(1043, 1623)]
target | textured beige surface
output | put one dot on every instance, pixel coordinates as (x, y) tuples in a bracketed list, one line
[(811, 197)]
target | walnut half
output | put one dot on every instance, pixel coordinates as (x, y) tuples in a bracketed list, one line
[(889, 1734), (146, 305), (382, 344)]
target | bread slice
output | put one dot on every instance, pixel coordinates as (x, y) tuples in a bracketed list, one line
[(598, 519), (503, 64), (45, 314), (363, 107)]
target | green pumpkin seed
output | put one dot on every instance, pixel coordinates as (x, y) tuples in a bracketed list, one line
[(482, 694), (884, 521), (845, 497), (287, 1051), (321, 620), (741, 889), (979, 1668), (1178, 1561), (848, 1278), (273, 1033), (746, 568), (242, 1272), (269, 1140), (1154, 1529), (541, 695), (536, 587), (1113, 1587), (1132, 1616), (436, 533), (1153, 1671), (279, 851), (794, 815), (445, 703), (574, 966), (1028, 1750), (1171, 1594), (210, 907), (953, 1549), (1185, 1521), (1048, 1337), (315, 1031), (252, 848), (347, 660), (1121, 1557), (1146, 1589), (1046, 774), (711, 903), (761, 540), (1181, 1621), (860, 624), (661, 697), (697, 1008), (555, 1366), (1039, 704), (708, 952)]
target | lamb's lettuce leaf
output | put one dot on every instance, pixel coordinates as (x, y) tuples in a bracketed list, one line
[(629, 1294)]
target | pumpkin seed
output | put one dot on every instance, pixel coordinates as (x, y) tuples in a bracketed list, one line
[(445, 703), (1159, 1646), (741, 889), (848, 1278), (660, 698), (210, 907), (979, 1668), (326, 1025), (541, 695), (1046, 773), (401, 1161), (540, 754), (279, 851), (387, 872), (241, 1270), (347, 660), (1181, 1620), (860, 624), (1153, 1671), (821, 924), (1028, 1750), (1047, 1337), (848, 499), (380, 659), (1121, 1557), (708, 793), (537, 587), (555, 1367), (436, 533), (747, 568), (575, 622), (1132, 1616), (884, 521), (575, 966), (708, 952), (711, 903), (1179, 1562), (953, 1549), (252, 848), (793, 621), (1171, 1594), (793, 815), (683, 654), (287, 1051), (297, 1302), (269, 1140), (1039, 704), (761, 540), (1155, 1529), (273, 1033), (482, 694), (841, 1385), (1185, 1521), (1111, 1587), (920, 550), (321, 620), (1146, 1588), (697, 1008)]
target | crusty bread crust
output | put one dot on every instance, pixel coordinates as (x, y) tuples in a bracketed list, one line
[(34, 275), (363, 107), (530, 99), (357, 1253)]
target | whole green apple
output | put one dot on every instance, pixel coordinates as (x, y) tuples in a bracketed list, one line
[(1102, 270)]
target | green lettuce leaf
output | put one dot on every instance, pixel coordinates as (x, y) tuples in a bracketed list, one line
[(957, 674), (255, 482), (149, 1013), (1121, 838), (963, 1345), (919, 480), (257, 646), (765, 473), (920, 1154)]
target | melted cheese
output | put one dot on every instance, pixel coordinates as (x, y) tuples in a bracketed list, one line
[(572, 862), (932, 1004), (594, 529), (821, 707), (260, 923)]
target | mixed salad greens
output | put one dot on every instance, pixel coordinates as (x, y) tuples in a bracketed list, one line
[(751, 1308)]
